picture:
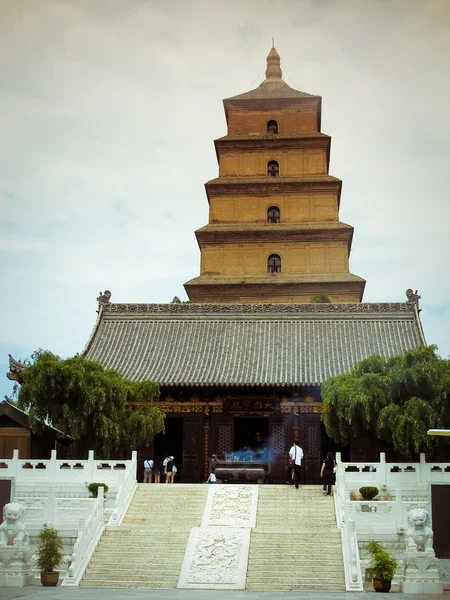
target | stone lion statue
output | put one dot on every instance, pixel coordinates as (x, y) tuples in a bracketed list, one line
[(418, 535), (12, 531)]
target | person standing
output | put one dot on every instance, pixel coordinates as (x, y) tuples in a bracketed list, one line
[(295, 456), (157, 468), (148, 469), (169, 470), (212, 478), (327, 473), (164, 469)]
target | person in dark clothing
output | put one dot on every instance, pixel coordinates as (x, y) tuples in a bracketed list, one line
[(157, 469), (327, 473)]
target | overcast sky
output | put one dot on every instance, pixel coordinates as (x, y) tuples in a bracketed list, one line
[(108, 112)]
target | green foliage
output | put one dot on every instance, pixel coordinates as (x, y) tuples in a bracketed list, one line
[(90, 403), (396, 399), (383, 565), (93, 488), (48, 553), (368, 492), (320, 298)]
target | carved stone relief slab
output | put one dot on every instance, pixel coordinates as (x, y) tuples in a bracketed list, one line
[(216, 558), (232, 506)]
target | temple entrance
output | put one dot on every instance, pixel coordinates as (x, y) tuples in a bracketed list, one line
[(251, 439), (170, 443)]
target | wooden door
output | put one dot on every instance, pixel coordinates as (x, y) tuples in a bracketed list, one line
[(192, 449), (278, 449), (440, 502), (223, 436), (310, 442)]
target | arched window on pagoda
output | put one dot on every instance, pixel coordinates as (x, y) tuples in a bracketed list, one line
[(273, 169), (273, 214), (272, 127), (274, 264)]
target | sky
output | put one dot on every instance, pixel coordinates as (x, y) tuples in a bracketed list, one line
[(108, 112)]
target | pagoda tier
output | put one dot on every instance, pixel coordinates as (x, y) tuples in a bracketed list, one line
[(274, 233)]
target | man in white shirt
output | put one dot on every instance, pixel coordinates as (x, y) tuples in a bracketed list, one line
[(148, 470), (295, 457)]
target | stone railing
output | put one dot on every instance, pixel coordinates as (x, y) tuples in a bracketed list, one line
[(125, 493), (89, 533), (349, 540), (55, 472), (392, 476)]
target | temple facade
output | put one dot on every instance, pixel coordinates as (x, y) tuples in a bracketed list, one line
[(274, 233)]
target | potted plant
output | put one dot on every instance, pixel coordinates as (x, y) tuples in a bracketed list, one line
[(368, 492), (49, 555), (383, 567)]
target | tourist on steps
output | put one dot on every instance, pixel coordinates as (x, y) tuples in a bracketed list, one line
[(170, 472), (295, 457), (157, 469), (148, 469), (327, 473), (212, 478)]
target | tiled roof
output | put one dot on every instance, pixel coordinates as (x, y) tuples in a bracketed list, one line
[(248, 344), (272, 87)]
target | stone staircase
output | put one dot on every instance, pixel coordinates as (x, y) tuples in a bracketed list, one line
[(296, 544), (147, 550)]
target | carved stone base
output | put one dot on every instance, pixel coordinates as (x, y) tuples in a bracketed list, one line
[(421, 573), (15, 570), (216, 559)]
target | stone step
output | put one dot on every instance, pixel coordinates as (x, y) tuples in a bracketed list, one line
[(131, 583), (296, 587), (137, 571), (144, 578)]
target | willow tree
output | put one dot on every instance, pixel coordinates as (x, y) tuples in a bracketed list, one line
[(98, 407), (394, 399)]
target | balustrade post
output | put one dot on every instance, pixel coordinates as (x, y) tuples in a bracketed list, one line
[(90, 467), (398, 508), (382, 468), (423, 469), (15, 464), (52, 468)]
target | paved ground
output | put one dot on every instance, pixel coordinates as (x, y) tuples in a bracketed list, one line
[(40, 593)]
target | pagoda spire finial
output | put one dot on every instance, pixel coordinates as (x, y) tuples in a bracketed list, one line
[(273, 63)]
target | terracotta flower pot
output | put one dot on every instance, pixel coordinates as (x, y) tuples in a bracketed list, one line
[(50, 578), (381, 585)]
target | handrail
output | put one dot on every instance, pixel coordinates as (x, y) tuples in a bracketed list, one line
[(349, 540), (125, 493), (89, 533)]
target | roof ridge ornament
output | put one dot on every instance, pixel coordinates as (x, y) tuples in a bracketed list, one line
[(103, 299), (273, 64), (412, 297)]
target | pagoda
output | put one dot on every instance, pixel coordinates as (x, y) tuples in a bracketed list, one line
[(274, 233)]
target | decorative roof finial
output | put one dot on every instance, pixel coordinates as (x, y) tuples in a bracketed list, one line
[(103, 299), (273, 64), (412, 297)]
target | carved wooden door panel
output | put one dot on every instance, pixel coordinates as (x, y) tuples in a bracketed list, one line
[(440, 501), (224, 436), (278, 448), (310, 442), (192, 449)]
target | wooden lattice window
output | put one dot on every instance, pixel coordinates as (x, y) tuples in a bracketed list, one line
[(272, 127), (274, 264), (273, 169), (273, 214)]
